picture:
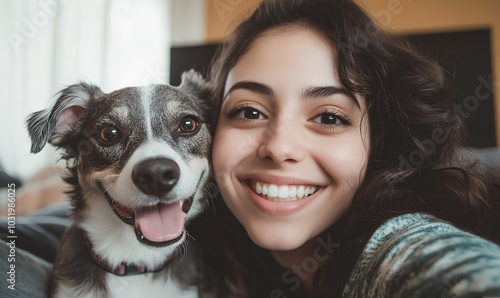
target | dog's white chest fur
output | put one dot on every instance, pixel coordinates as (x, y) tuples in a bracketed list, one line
[(143, 285)]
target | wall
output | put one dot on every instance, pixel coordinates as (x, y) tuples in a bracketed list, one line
[(399, 16)]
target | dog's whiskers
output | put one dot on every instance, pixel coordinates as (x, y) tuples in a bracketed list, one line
[(211, 192), (183, 248)]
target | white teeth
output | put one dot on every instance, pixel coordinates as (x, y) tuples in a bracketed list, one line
[(272, 191), (300, 191), (308, 191), (283, 193), (312, 190), (258, 188)]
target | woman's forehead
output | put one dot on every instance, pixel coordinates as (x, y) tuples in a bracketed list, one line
[(295, 56), (300, 47)]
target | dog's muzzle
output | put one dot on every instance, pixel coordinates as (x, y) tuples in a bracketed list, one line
[(162, 224)]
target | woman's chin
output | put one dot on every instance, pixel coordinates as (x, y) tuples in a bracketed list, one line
[(276, 240)]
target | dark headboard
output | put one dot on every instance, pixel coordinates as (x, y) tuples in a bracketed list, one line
[(466, 57)]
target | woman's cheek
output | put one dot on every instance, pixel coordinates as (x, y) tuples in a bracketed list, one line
[(233, 145), (219, 150), (346, 162), (227, 152)]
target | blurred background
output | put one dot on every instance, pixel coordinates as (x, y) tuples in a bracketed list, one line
[(49, 44)]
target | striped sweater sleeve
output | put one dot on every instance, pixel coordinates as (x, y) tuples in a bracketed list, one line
[(416, 255)]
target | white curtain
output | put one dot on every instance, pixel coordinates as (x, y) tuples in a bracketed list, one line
[(49, 44), (189, 19)]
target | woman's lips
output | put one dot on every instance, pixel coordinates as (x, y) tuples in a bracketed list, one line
[(280, 199), (282, 193)]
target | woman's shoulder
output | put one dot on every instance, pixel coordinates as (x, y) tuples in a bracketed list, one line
[(418, 255)]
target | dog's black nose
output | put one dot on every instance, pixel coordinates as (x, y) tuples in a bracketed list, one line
[(156, 176)]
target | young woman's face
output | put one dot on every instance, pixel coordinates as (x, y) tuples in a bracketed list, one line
[(290, 146)]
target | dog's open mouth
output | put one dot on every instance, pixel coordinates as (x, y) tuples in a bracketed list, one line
[(159, 225)]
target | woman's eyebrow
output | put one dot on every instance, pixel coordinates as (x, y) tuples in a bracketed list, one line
[(251, 86), (325, 91), (311, 92)]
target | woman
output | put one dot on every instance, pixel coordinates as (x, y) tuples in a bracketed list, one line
[(317, 112)]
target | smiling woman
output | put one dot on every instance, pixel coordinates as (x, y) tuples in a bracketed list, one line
[(315, 107), (284, 100)]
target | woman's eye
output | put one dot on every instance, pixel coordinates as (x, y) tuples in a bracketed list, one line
[(328, 119), (246, 113), (250, 113), (188, 124), (109, 134)]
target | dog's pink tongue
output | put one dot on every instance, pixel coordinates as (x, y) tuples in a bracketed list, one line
[(160, 223)]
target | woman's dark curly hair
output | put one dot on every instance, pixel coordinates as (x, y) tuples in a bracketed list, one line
[(414, 164)]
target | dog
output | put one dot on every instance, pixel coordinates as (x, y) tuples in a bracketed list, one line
[(138, 167)]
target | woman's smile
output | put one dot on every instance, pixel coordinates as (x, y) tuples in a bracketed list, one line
[(282, 196), (282, 193), (279, 202)]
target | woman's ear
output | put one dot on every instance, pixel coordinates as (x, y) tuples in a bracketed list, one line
[(51, 124)]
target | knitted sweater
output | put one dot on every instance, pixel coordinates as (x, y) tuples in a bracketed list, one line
[(417, 255)]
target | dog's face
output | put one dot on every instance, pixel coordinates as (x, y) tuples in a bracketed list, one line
[(141, 160)]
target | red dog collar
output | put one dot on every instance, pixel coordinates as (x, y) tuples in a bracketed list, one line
[(124, 268)]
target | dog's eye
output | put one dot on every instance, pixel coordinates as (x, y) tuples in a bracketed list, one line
[(189, 124), (109, 134)]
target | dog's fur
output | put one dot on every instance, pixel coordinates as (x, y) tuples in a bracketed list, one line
[(107, 139)]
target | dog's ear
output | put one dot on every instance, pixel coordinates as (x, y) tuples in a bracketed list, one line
[(193, 83), (51, 124)]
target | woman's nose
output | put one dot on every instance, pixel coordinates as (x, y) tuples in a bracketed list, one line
[(282, 143)]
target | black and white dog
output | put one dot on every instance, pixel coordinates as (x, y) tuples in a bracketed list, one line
[(138, 167)]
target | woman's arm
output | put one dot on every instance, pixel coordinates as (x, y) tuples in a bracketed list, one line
[(416, 255)]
